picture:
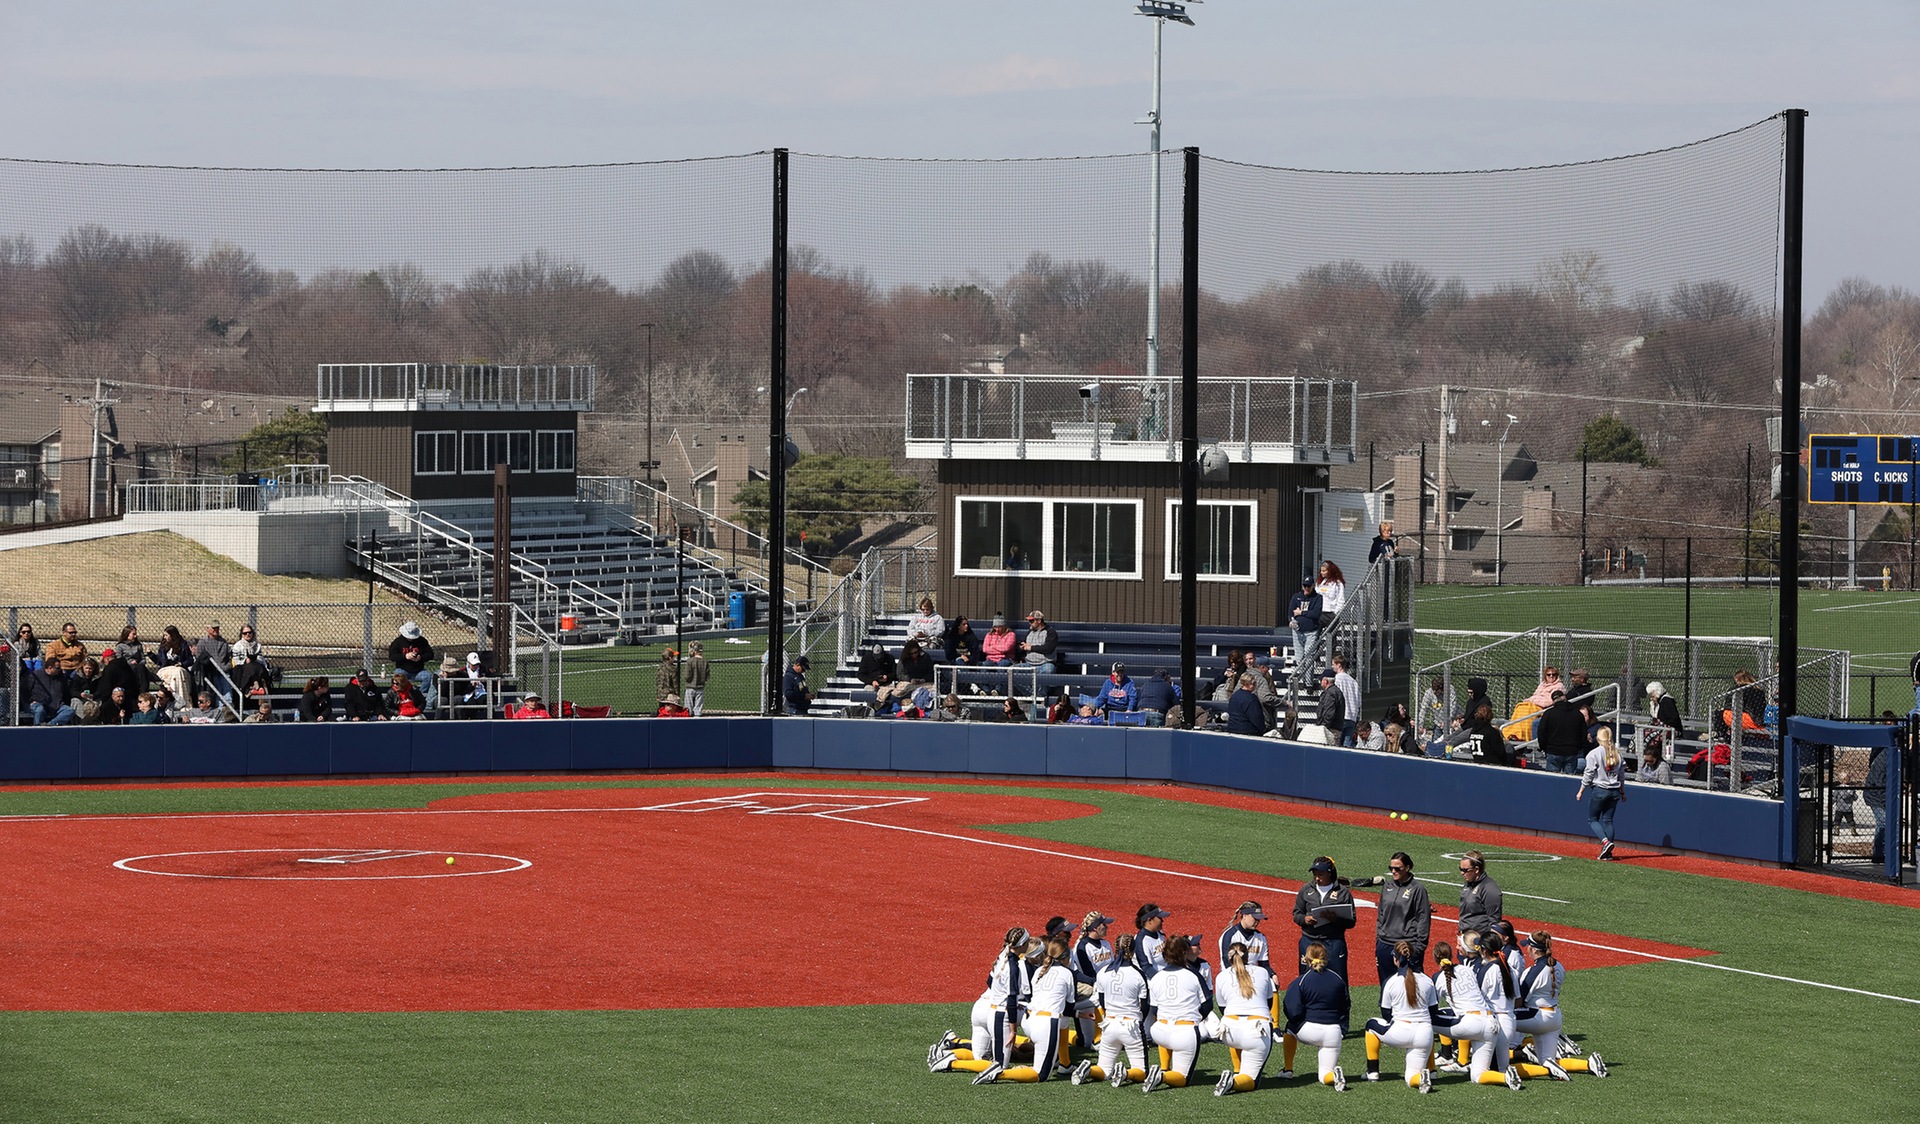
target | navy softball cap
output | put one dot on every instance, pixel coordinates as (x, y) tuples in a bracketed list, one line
[(1321, 866)]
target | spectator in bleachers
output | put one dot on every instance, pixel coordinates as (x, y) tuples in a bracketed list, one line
[(1245, 714), (1118, 693), (1476, 698), (147, 712), (168, 704), (129, 646), (895, 688), (316, 702), (1012, 711), (1578, 686), (48, 696), (1303, 618), (365, 703), (672, 707), (466, 686), (1042, 644), (1542, 696), (1437, 712), (1400, 739), (65, 652), (1331, 584), (530, 706), (1158, 694), (1383, 544), (1332, 714), (206, 712), (1350, 695), (1563, 735), (698, 672), (1483, 739), (410, 653), (1654, 766), (927, 626), (212, 656), (1666, 711), (262, 712), (405, 700), (117, 705), (1086, 715), (794, 692), (28, 646), (122, 676), (172, 659), (251, 672), (916, 670), (997, 646), (1370, 737), (962, 642), (877, 668)]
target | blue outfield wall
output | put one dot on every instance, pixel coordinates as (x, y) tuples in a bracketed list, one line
[(1715, 823)]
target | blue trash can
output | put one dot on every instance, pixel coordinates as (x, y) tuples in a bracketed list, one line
[(737, 609)]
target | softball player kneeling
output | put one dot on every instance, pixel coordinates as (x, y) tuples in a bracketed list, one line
[(992, 1041), (1468, 1017), (1409, 999), (1121, 991), (1317, 1007), (1048, 1013), (1245, 995), (1539, 1015), (1180, 1002)]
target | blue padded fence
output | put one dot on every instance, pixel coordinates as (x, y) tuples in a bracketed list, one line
[(1715, 823)]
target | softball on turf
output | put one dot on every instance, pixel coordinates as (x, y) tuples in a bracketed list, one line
[(449, 860)]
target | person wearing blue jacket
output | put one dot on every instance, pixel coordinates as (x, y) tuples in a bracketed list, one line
[(1119, 693), (1303, 617), (1317, 1008)]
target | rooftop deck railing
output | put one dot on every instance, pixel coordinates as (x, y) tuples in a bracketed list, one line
[(453, 386)]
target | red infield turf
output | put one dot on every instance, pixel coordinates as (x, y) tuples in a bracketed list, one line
[(572, 899)]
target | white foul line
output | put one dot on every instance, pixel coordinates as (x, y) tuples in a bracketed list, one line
[(1504, 892)]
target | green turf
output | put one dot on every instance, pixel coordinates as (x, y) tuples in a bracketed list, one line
[(1685, 1042)]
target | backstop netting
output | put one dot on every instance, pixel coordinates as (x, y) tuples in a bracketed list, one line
[(1627, 306)]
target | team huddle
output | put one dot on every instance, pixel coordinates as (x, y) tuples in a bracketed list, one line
[(1144, 1003)]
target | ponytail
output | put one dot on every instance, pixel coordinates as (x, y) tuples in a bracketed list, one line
[(1443, 956), (1403, 956), (1316, 956), (1237, 959), (1610, 753)]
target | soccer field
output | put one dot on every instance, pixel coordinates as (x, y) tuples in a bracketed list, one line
[(672, 951)]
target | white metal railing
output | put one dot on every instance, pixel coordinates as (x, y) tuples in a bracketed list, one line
[(622, 496), (454, 385), (1015, 416), (187, 497)]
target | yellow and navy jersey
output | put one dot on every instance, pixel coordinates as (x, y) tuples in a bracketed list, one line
[(1052, 991), (1146, 952), (1540, 984), (1500, 989), (1121, 989), (1177, 996), (1089, 956), (1254, 939)]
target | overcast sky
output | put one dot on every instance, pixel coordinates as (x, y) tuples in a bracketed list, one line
[(1388, 85)]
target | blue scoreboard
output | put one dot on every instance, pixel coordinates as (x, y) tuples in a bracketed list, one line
[(1861, 468)]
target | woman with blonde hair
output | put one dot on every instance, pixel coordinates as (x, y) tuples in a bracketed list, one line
[(995, 1013), (1245, 996), (1606, 775), (1048, 1014), (1317, 1007), (1408, 998)]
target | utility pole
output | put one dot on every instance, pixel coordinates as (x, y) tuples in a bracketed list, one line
[(1440, 531)]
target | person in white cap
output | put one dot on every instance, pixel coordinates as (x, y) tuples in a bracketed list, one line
[(412, 655)]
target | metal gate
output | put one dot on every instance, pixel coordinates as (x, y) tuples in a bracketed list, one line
[(1846, 820)]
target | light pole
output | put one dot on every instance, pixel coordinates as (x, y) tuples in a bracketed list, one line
[(1159, 11), (1499, 501), (652, 465)]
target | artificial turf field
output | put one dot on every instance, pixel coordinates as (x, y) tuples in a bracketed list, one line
[(274, 1014)]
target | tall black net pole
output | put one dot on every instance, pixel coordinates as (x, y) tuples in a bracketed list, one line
[(777, 440), (1792, 222), (1190, 436)]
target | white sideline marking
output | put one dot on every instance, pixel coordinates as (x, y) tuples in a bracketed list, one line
[(1867, 605), (372, 856)]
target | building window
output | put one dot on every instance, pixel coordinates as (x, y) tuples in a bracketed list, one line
[(1083, 539), (436, 453), (480, 450), (1001, 534), (1096, 538), (1228, 531), (1467, 540), (553, 450)]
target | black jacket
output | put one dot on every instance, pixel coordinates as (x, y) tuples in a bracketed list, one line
[(1563, 732)]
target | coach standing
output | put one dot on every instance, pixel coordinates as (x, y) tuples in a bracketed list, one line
[(1405, 914), (1480, 903), (1324, 911)]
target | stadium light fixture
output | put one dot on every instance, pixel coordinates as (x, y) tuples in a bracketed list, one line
[(1159, 11)]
